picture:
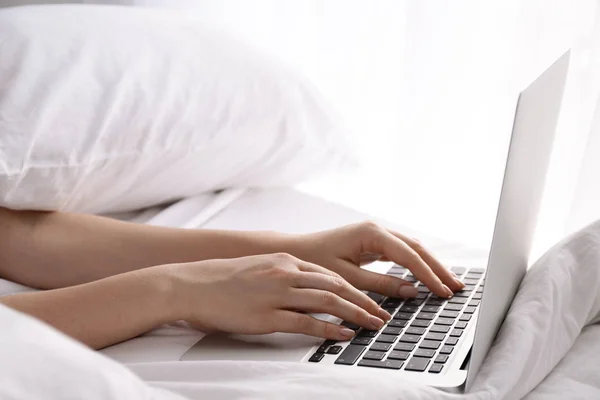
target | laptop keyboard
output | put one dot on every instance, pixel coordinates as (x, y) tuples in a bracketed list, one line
[(422, 333)]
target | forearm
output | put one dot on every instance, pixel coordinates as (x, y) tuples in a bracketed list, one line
[(107, 311), (52, 249)]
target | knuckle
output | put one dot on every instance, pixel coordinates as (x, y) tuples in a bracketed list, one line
[(283, 257), (383, 283), (370, 226), (418, 246), (304, 323), (338, 283), (328, 298)]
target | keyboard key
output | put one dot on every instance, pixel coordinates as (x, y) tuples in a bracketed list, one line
[(413, 302), (412, 330), (398, 267), (456, 332), (431, 309), (350, 325), (410, 278), (465, 317), (477, 270), (468, 281), (435, 336), (479, 289), (374, 355), (448, 314), (425, 315), (423, 289), (392, 330), (410, 338), (429, 344), (474, 303), (435, 302), (458, 300), (316, 357), (403, 315), (453, 307), (389, 364), (458, 270), (404, 347), (444, 321), (469, 287), (439, 328), (424, 353), (477, 296), (417, 364), (362, 341), (421, 296), (441, 358), (390, 310), (386, 338), (367, 333), (334, 350), (409, 309), (378, 346), (325, 346), (399, 355), (451, 341), (436, 368), (463, 293), (461, 324), (376, 297), (392, 302), (398, 323), (446, 349), (470, 310), (350, 354), (421, 323)]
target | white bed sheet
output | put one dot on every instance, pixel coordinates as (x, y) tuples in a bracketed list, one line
[(539, 353)]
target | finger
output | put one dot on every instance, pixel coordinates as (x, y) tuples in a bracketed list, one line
[(447, 277), (339, 286), (401, 253), (374, 282), (322, 301), (293, 322)]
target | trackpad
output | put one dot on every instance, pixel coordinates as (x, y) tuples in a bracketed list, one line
[(271, 347)]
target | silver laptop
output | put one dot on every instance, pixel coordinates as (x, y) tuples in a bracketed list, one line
[(430, 340)]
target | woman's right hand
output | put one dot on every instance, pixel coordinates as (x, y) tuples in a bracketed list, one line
[(269, 293)]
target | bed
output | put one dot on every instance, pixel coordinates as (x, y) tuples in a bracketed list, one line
[(545, 349)]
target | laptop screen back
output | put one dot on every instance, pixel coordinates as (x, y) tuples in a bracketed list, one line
[(524, 178)]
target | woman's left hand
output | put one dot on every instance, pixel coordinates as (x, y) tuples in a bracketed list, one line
[(345, 249)]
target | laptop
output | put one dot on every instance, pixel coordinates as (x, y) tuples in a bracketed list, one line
[(430, 340)]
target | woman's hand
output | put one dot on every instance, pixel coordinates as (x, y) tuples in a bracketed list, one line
[(269, 293), (344, 250)]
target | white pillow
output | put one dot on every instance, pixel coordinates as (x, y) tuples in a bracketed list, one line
[(38, 362), (108, 108)]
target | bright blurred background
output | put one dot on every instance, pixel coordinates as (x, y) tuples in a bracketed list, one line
[(428, 89)]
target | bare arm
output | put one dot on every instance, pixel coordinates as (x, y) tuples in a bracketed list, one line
[(48, 250)]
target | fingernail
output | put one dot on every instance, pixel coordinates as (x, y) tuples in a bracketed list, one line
[(347, 333), (376, 322), (408, 291), (449, 292), (386, 316)]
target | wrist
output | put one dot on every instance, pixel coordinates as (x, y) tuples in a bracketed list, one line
[(163, 293)]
